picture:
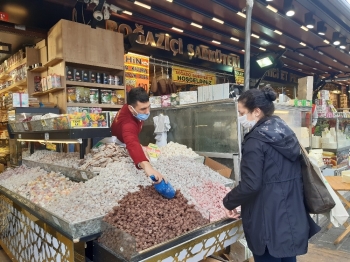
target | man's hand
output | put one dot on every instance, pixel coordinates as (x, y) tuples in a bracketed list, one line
[(232, 213), (149, 170)]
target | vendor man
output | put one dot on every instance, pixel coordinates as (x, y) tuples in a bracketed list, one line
[(127, 126)]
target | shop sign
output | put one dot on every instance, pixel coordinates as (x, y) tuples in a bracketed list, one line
[(239, 76), (136, 71), (192, 77), (183, 49), (282, 75), (4, 16)]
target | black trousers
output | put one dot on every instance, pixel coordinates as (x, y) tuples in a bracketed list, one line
[(268, 258)]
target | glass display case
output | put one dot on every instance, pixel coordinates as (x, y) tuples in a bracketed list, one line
[(332, 135)]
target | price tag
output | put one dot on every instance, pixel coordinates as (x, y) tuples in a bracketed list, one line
[(43, 122), (47, 136), (19, 136), (25, 125), (76, 123)]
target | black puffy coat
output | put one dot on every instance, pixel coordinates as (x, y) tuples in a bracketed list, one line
[(271, 191)]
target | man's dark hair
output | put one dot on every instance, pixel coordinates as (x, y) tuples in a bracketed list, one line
[(137, 94)]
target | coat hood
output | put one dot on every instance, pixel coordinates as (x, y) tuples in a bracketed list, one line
[(275, 132)]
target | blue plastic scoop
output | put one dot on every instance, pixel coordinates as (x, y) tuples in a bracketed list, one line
[(165, 189)]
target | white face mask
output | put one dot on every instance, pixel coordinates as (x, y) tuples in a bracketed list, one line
[(245, 122)]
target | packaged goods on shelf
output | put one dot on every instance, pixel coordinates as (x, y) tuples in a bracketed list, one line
[(53, 81), (69, 73), (174, 99), (117, 97), (77, 75), (37, 84), (19, 100), (166, 101), (94, 96), (106, 96), (188, 97)]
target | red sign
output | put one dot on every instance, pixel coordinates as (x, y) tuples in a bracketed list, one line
[(4, 16)]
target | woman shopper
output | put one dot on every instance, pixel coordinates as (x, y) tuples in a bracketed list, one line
[(275, 222)]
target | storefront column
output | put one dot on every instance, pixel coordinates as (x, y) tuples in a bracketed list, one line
[(248, 29)]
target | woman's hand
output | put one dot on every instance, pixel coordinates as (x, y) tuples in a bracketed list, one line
[(232, 213)]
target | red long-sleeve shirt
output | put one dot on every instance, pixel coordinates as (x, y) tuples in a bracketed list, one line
[(127, 129)]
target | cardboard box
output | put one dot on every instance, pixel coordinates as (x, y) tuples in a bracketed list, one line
[(216, 166)]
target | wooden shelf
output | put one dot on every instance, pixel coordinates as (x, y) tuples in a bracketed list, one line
[(5, 75), (94, 105), (53, 62), (14, 86), (87, 84), (52, 90), (38, 69), (93, 66)]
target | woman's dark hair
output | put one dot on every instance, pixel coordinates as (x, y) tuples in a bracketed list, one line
[(137, 94), (259, 98)]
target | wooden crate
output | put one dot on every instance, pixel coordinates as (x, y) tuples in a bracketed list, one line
[(79, 43)]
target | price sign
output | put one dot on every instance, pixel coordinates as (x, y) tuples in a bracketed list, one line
[(43, 122), (25, 125), (76, 123), (47, 136)]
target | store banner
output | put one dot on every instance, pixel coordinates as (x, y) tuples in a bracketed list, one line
[(192, 77), (239, 76), (136, 71)]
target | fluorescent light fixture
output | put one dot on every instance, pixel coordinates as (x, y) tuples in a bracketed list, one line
[(346, 66), (285, 65), (303, 44), (127, 12), (242, 14), (264, 62), (304, 28), (177, 29), (278, 32), (216, 42), (218, 20), (282, 46), (243, 50), (326, 41), (272, 8), (320, 52), (330, 67), (300, 63), (314, 68), (196, 25), (170, 1), (335, 60), (261, 48), (284, 56), (234, 39), (256, 36), (300, 69), (301, 54), (142, 5), (317, 62)]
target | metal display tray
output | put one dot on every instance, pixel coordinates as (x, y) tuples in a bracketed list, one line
[(86, 229), (74, 174)]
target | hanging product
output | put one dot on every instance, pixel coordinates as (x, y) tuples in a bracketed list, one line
[(162, 84), (154, 84)]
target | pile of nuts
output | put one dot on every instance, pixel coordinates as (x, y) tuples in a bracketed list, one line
[(152, 219)]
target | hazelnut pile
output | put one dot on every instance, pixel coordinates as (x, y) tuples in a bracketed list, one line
[(152, 219)]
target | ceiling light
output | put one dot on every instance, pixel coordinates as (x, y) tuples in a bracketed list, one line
[(335, 60), (301, 54), (303, 44), (272, 8), (288, 8), (242, 14), (243, 50), (317, 62), (269, 0), (304, 28), (321, 53), (326, 41), (218, 20), (309, 20), (177, 29), (234, 39), (336, 38), (314, 68), (266, 61), (300, 69), (321, 28), (170, 1), (261, 48), (142, 5), (300, 63), (284, 56), (285, 65), (278, 32), (342, 43), (346, 66), (282, 46), (256, 36), (330, 67), (196, 25), (216, 42), (127, 12)]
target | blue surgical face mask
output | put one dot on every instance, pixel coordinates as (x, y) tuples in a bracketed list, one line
[(142, 117)]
